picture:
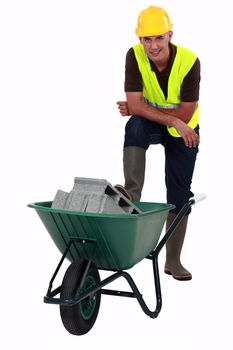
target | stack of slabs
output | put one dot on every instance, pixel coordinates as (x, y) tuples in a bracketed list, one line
[(94, 196)]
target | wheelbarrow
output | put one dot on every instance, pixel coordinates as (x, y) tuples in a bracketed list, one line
[(112, 242)]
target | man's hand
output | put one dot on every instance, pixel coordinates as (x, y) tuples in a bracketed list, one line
[(191, 139), (123, 108)]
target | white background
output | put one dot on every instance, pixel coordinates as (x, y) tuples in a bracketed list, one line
[(62, 71)]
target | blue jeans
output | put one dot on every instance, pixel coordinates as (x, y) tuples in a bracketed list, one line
[(179, 159)]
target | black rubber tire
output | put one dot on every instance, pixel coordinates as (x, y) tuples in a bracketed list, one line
[(79, 319)]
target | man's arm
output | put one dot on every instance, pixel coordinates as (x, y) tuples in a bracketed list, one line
[(176, 118), (184, 112)]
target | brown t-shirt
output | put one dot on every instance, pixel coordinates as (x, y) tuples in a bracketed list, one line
[(190, 85)]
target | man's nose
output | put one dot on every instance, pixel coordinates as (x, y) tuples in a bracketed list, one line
[(154, 45)]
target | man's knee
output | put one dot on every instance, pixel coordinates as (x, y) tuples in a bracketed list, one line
[(136, 132), (135, 128)]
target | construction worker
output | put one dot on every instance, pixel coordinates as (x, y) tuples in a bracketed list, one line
[(162, 91)]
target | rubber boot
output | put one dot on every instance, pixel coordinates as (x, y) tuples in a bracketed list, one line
[(174, 246), (134, 162)]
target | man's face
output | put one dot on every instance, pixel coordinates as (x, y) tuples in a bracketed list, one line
[(157, 47)]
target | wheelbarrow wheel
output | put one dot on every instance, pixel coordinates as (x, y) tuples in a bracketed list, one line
[(78, 319)]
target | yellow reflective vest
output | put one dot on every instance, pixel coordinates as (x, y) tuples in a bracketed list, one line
[(152, 91)]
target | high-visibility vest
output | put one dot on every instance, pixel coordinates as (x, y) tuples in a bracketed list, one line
[(152, 91)]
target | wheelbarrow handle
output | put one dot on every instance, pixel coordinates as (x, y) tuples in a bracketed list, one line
[(198, 198)]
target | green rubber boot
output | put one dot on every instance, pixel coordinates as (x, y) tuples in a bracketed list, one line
[(134, 162), (174, 246)]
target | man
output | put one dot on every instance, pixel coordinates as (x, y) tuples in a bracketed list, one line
[(162, 92)]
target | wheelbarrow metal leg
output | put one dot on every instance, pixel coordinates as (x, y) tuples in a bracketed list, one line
[(51, 293), (157, 284)]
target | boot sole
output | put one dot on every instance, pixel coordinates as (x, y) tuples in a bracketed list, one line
[(178, 278), (123, 191)]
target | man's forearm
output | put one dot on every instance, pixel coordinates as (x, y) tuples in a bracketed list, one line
[(184, 112), (151, 113)]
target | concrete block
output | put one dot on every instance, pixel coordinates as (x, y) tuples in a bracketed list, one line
[(60, 200), (101, 203), (104, 187), (77, 201), (90, 185)]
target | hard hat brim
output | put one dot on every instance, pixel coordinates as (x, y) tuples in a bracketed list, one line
[(154, 33)]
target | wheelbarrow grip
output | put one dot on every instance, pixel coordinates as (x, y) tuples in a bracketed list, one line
[(198, 198)]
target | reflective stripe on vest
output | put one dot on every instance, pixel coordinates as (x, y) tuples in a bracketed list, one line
[(152, 91)]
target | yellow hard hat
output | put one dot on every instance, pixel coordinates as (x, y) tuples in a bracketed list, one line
[(153, 21)]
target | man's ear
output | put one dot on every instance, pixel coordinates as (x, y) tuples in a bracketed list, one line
[(170, 33)]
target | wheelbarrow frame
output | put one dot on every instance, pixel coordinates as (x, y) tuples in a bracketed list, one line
[(51, 294)]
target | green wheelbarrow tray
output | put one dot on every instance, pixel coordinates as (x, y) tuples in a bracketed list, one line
[(93, 242), (121, 240)]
